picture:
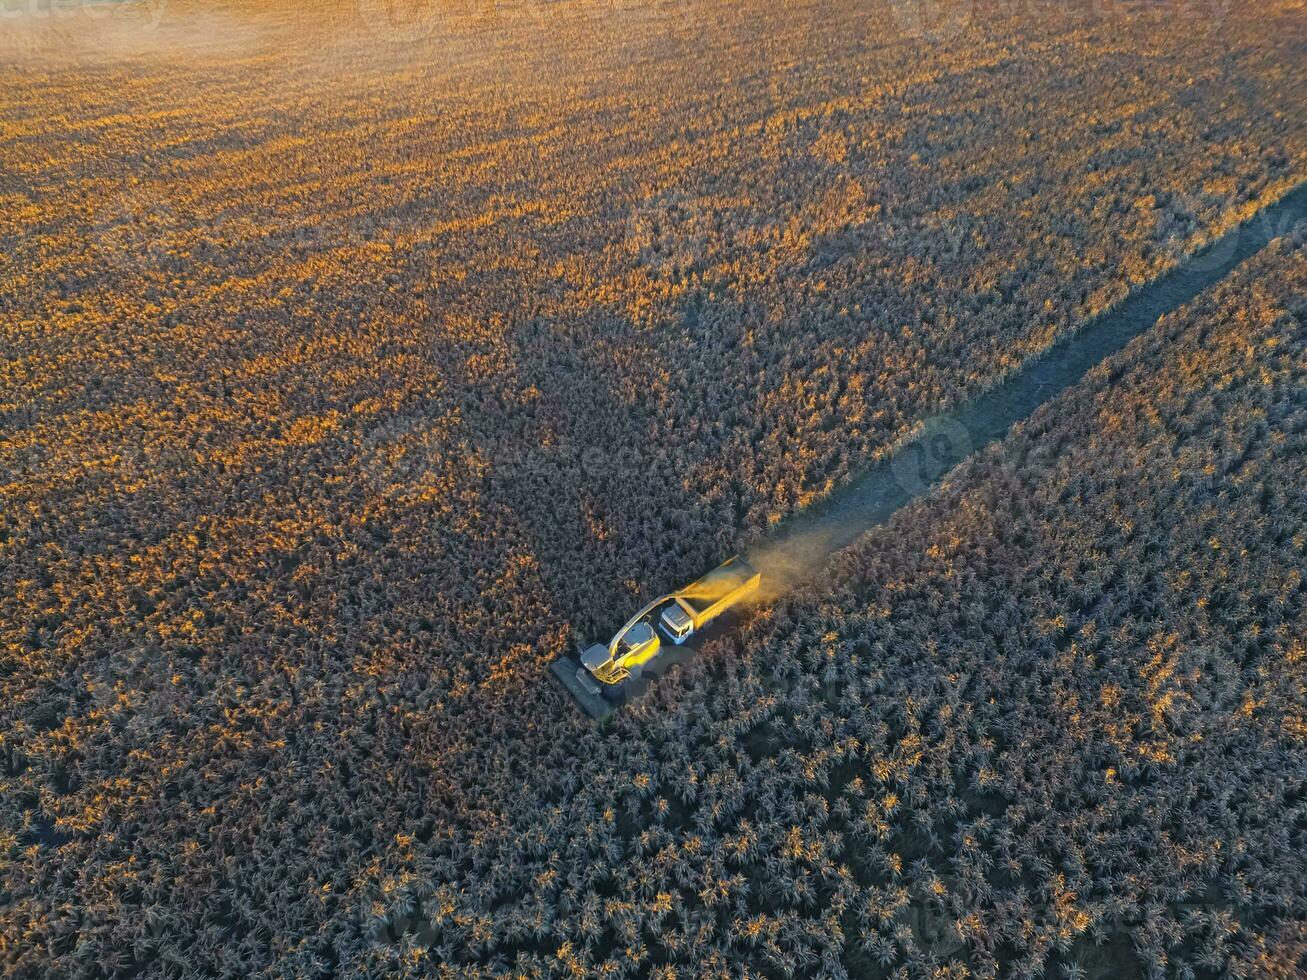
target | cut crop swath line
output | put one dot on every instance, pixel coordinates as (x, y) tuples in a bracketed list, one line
[(806, 539)]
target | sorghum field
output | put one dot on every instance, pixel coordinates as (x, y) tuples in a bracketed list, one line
[(359, 357)]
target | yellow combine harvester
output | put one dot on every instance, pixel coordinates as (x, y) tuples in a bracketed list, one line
[(651, 641)]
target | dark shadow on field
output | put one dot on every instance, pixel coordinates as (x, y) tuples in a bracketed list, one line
[(606, 518)]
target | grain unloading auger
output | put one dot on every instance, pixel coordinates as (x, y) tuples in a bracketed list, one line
[(604, 676)]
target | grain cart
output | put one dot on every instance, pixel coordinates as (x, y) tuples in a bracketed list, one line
[(606, 675)]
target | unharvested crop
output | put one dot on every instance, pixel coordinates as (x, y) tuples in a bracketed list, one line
[(347, 371)]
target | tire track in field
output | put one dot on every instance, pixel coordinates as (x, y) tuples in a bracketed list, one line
[(805, 540)]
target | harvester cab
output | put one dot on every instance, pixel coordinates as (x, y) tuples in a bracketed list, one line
[(630, 650)]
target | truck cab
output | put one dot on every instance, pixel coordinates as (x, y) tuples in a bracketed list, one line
[(677, 622)]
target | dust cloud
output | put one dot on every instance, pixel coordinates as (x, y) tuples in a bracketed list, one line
[(787, 562)]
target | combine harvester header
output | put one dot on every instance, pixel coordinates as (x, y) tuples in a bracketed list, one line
[(651, 642)]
